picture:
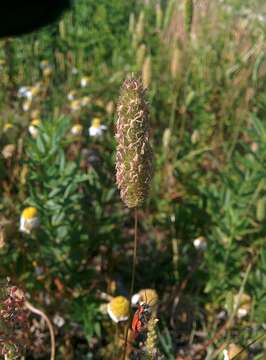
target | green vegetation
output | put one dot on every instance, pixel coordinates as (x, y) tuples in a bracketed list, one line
[(201, 235)]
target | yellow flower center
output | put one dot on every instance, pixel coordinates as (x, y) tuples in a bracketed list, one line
[(75, 104), (7, 126), (29, 213), (96, 123), (119, 306), (77, 128), (36, 122), (85, 79), (44, 63), (34, 90), (72, 94), (85, 100)]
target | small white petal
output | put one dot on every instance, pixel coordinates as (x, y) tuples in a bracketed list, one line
[(242, 312), (26, 225), (22, 227), (83, 82), (114, 317), (226, 356), (33, 131), (58, 320), (200, 243), (111, 314), (135, 299)]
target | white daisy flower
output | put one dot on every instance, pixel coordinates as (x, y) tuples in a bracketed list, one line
[(118, 309), (22, 91), (29, 220), (76, 130), (33, 128), (84, 81), (200, 243), (96, 129), (225, 353), (58, 320), (71, 95), (25, 92)]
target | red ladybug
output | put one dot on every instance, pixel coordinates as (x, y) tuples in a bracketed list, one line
[(141, 317)]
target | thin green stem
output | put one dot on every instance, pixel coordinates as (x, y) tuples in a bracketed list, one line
[(135, 253), (133, 273)]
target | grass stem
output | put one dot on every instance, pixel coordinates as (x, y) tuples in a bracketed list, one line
[(133, 272)]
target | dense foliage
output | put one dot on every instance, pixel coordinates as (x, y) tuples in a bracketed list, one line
[(201, 232)]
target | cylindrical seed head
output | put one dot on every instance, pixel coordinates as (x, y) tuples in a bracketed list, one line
[(140, 26), (140, 55), (151, 343), (176, 63), (146, 72), (188, 15), (134, 155)]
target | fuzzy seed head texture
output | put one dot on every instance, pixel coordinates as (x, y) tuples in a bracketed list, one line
[(151, 343), (134, 165)]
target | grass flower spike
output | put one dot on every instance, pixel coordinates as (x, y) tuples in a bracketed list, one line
[(29, 220), (188, 15), (151, 343), (148, 296), (134, 155), (96, 129), (118, 309)]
